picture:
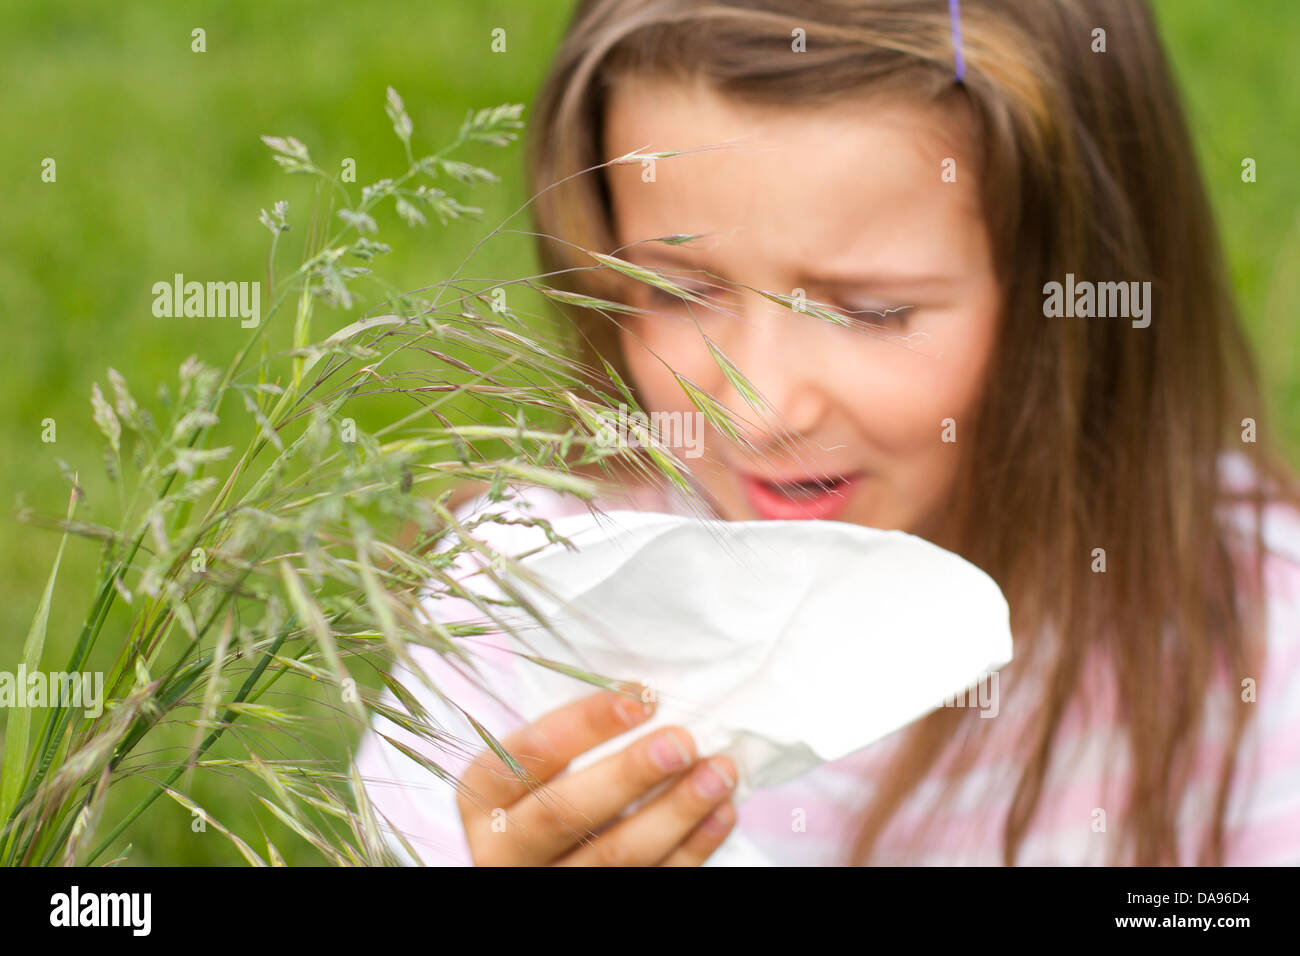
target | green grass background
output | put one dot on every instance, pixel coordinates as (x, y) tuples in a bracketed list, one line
[(160, 171)]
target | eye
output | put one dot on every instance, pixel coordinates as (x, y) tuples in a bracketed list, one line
[(659, 300), (877, 314)]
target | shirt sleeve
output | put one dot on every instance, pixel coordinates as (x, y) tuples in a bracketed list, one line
[(1265, 829), (409, 797)]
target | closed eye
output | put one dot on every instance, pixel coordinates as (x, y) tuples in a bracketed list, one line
[(660, 300), (878, 315)]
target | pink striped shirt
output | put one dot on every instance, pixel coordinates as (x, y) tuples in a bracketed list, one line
[(811, 820)]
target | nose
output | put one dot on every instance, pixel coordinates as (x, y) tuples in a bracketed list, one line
[(778, 353)]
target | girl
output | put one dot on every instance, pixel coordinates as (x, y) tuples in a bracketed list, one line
[(925, 178)]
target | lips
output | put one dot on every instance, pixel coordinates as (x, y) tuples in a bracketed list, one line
[(809, 499)]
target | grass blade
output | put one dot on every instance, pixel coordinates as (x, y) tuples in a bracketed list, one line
[(20, 720)]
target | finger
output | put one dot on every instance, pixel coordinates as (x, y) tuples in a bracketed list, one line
[(547, 746), (705, 838), (650, 834), (550, 821)]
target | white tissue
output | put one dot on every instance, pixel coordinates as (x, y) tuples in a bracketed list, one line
[(782, 644)]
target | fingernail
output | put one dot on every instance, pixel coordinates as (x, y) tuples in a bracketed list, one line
[(631, 712), (713, 781), (668, 753), (721, 819)]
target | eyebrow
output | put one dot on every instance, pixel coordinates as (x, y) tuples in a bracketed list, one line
[(646, 254)]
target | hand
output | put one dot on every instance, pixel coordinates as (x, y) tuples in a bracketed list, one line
[(560, 824)]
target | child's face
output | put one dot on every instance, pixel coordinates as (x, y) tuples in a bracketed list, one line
[(850, 206)]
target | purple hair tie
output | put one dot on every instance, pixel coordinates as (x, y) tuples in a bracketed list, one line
[(954, 14)]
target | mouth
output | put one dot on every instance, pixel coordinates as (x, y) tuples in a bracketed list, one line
[(818, 498)]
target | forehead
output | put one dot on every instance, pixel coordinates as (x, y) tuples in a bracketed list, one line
[(849, 184)]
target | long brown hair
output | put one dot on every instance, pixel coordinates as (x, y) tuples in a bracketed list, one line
[(1108, 435)]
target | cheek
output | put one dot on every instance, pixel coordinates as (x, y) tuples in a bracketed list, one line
[(903, 395), (655, 348), (898, 397)]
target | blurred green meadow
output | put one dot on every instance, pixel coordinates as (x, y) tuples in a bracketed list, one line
[(160, 170)]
